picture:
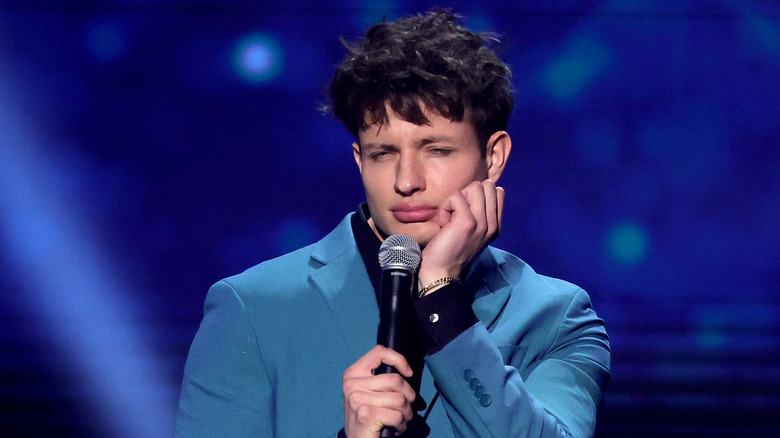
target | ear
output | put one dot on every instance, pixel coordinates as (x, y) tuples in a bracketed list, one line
[(499, 146), (358, 158)]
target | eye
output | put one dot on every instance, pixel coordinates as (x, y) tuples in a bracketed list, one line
[(378, 155), (440, 151)]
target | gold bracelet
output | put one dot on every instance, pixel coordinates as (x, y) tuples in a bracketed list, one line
[(439, 282)]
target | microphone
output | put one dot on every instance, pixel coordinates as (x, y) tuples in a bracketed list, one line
[(399, 258)]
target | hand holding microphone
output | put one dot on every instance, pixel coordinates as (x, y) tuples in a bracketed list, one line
[(372, 384)]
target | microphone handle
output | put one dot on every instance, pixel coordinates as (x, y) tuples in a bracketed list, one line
[(387, 432), (395, 300), (395, 311)]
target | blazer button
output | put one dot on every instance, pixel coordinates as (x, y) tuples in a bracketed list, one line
[(468, 375), (474, 383), (485, 400)]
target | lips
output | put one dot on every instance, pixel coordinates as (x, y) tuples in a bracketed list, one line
[(410, 213)]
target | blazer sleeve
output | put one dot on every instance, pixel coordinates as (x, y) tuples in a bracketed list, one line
[(225, 390), (554, 396)]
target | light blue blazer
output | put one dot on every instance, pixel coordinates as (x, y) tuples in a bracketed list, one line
[(268, 357)]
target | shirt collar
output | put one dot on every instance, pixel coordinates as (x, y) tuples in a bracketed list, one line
[(368, 244)]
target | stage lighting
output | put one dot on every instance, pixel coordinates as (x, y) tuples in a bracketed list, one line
[(258, 59), (106, 41), (627, 243)]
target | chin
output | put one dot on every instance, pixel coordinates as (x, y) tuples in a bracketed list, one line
[(422, 233)]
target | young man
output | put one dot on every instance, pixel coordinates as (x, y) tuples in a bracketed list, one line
[(287, 348)]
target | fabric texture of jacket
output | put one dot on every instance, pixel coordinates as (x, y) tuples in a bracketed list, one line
[(274, 342)]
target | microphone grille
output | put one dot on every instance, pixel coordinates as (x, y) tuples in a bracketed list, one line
[(399, 251)]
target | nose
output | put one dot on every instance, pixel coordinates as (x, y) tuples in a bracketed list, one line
[(409, 175)]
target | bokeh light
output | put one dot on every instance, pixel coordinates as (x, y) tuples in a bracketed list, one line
[(258, 58), (106, 40), (627, 243), (294, 233), (576, 67)]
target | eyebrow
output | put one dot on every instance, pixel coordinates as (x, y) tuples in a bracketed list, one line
[(384, 146), (425, 141), (438, 139)]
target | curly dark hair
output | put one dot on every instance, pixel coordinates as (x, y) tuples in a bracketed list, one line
[(426, 58)]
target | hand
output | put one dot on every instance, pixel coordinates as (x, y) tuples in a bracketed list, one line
[(372, 402), (470, 219)]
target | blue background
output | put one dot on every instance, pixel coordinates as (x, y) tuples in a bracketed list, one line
[(150, 148)]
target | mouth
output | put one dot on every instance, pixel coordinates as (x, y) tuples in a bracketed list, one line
[(412, 212)]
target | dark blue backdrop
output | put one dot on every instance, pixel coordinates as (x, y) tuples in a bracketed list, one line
[(149, 148)]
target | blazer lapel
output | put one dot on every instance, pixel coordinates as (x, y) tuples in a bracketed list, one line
[(344, 284), (494, 289)]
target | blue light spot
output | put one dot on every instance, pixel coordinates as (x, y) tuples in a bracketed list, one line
[(718, 326), (295, 233), (258, 59), (106, 41), (627, 243), (711, 340), (761, 35), (580, 63)]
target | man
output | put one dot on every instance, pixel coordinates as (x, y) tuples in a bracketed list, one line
[(287, 348)]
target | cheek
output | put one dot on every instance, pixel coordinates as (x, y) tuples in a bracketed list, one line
[(375, 197), (376, 180), (372, 189), (452, 182)]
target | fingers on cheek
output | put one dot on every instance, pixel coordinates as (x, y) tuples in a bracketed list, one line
[(472, 193), (485, 201), (469, 204), (469, 224), (444, 217), (482, 227), (469, 187), (495, 207), (493, 216), (501, 194), (479, 217), (488, 186)]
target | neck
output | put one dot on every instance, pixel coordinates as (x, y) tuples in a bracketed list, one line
[(382, 236)]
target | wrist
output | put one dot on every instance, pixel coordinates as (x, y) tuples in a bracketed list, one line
[(429, 288), (426, 276)]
